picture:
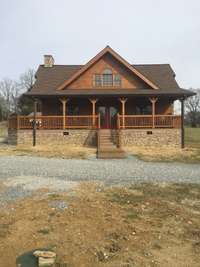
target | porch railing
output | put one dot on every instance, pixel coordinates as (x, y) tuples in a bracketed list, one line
[(55, 122), (93, 122), (148, 121)]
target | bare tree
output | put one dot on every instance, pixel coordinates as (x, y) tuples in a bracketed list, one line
[(2, 109), (11, 93), (27, 80), (8, 92), (192, 105)]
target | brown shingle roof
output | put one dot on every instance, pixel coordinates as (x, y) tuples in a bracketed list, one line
[(49, 79)]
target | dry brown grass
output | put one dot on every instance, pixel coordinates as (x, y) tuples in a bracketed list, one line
[(59, 151), (165, 153), (142, 225)]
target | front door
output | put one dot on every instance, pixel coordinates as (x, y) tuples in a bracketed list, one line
[(108, 117)]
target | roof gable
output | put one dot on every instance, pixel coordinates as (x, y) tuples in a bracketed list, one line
[(94, 60)]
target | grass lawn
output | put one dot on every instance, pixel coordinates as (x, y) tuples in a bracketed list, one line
[(59, 151), (192, 137), (155, 225)]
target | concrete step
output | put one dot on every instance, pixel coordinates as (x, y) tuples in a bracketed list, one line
[(111, 155), (107, 146), (105, 138), (108, 149), (106, 141)]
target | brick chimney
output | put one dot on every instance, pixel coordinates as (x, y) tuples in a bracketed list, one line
[(48, 61)]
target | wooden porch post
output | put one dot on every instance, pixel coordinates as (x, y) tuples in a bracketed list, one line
[(123, 101), (153, 102), (34, 121), (64, 102), (182, 123), (93, 101)]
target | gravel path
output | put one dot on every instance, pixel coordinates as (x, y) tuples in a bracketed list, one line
[(21, 174)]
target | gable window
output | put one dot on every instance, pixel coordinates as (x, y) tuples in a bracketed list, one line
[(117, 80), (97, 80), (107, 77)]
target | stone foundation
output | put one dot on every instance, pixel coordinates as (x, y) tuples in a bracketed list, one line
[(12, 136), (151, 137), (82, 137), (53, 137)]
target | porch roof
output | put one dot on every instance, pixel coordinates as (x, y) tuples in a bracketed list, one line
[(177, 93)]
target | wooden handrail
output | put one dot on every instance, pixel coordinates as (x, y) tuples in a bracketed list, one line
[(142, 116), (55, 122), (54, 116), (146, 121)]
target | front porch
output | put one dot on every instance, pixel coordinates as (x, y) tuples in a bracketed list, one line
[(128, 121), (101, 113)]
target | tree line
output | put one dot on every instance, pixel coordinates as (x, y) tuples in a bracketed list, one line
[(192, 105), (12, 99), (11, 95)]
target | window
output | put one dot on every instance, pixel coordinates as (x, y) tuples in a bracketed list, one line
[(107, 77), (117, 80), (97, 80)]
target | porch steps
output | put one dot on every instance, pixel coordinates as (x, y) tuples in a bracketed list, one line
[(107, 148)]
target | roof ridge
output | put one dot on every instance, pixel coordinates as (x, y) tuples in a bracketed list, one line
[(65, 65), (81, 65), (152, 64)]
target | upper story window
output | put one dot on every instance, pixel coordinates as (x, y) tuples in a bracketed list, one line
[(97, 80), (117, 80), (107, 79)]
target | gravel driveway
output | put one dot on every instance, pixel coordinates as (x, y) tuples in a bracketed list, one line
[(21, 174)]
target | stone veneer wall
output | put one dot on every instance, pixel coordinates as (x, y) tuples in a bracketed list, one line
[(12, 136), (129, 137), (54, 137), (137, 137)]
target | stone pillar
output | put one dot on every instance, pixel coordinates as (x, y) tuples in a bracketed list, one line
[(123, 101), (153, 102)]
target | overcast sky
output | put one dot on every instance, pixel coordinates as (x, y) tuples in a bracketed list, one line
[(144, 31)]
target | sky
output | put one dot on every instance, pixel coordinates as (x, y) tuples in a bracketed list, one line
[(144, 31)]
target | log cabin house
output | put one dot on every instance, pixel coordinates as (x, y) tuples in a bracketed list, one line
[(108, 103)]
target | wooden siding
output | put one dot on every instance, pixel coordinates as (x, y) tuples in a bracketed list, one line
[(129, 80), (52, 107)]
